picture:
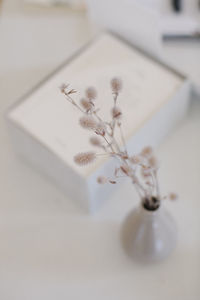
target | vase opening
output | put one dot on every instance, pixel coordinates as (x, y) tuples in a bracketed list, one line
[(151, 204)]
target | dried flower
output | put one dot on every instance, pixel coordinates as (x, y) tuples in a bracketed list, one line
[(126, 169), (116, 85), (112, 181), (124, 155), (153, 162), (72, 91), (173, 196), (147, 151), (88, 122), (86, 104), (102, 180), (84, 158), (91, 93), (63, 87), (100, 129), (116, 112), (95, 141), (135, 159), (141, 168)]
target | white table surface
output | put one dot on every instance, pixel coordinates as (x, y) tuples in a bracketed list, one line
[(50, 249)]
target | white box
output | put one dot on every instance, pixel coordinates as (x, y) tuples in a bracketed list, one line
[(44, 126)]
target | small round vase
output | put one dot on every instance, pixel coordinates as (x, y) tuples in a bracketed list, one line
[(149, 236)]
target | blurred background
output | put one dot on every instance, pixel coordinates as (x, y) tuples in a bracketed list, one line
[(35, 37), (38, 35)]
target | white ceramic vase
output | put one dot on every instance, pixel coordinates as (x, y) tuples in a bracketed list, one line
[(149, 236)]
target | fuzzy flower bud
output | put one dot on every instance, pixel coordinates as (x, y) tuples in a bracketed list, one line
[(102, 180), (153, 162), (63, 87), (88, 122), (86, 104), (95, 141), (91, 93), (135, 159), (116, 112), (147, 151), (100, 129), (173, 196), (116, 85), (84, 158)]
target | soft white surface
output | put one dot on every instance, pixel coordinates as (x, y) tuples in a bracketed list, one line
[(181, 24), (129, 18), (50, 249), (47, 116)]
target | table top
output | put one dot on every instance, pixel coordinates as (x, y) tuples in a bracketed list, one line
[(50, 249)]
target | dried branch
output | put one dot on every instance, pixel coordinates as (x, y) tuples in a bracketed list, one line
[(141, 168)]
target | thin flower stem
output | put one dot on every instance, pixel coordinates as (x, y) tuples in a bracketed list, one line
[(120, 176), (140, 186), (138, 191), (114, 142), (122, 138), (110, 135), (73, 102), (103, 154), (135, 179), (153, 183), (114, 121), (97, 116), (157, 184), (109, 144)]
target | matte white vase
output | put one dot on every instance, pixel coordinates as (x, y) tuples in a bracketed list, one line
[(149, 236)]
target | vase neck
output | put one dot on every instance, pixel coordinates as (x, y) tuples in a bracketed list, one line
[(150, 213)]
